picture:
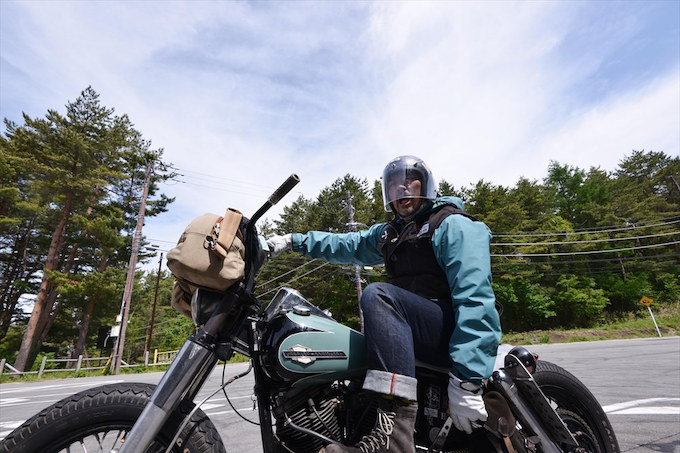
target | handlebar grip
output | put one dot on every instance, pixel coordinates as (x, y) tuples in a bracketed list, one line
[(286, 187)]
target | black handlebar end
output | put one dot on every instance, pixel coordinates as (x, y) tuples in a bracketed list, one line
[(286, 187)]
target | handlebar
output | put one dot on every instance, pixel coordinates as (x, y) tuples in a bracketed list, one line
[(286, 187), (254, 256), (275, 197)]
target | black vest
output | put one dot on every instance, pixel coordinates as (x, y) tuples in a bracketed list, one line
[(409, 257)]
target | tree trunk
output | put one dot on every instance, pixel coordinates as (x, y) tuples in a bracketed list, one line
[(87, 314), (623, 270), (84, 327), (56, 308), (29, 344), (47, 316)]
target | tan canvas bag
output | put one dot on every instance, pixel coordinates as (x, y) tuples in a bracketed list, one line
[(209, 254)]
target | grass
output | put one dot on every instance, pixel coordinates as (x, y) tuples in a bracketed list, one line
[(637, 325)]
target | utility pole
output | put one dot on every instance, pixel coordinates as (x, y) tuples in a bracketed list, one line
[(129, 282), (153, 310), (357, 274)]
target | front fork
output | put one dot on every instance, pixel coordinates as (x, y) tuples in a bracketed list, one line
[(191, 367), (530, 405)]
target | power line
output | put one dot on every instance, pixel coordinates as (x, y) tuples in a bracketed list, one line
[(223, 189), (590, 230), (630, 238), (286, 273), (202, 176), (247, 188), (316, 280), (295, 279), (588, 261), (586, 252)]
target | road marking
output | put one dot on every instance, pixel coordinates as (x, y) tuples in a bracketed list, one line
[(11, 424), (648, 406), (208, 406), (12, 401), (245, 410), (653, 410), (8, 426), (26, 402), (58, 386)]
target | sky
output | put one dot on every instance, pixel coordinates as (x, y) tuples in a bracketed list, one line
[(240, 94)]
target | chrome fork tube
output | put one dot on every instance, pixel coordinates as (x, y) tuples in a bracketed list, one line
[(192, 365)]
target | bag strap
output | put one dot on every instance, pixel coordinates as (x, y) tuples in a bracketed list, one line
[(228, 228)]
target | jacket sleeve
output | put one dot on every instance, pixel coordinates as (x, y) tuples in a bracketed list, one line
[(462, 250), (346, 248)]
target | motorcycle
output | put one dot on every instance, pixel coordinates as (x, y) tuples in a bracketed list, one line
[(308, 371)]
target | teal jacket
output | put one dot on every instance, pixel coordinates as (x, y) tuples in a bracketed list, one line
[(461, 247)]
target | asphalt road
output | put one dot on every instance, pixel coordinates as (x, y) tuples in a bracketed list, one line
[(636, 381)]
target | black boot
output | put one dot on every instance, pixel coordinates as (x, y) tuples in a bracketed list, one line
[(392, 433)]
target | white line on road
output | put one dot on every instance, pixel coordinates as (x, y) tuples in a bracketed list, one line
[(12, 401), (10, 426), (648, 406), (651, 410), (59, 386)]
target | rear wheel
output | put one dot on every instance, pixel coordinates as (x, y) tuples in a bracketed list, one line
[(578, 408), (98, 419)]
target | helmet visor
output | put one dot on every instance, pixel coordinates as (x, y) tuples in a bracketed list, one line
[(407, 177)]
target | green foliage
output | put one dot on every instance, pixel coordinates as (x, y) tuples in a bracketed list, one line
[(625, 294), (668, 287), (330, 211), (525, 305), (579, 302), (10, 344), (570, 251)]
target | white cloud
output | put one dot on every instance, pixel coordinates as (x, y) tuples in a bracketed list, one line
[(495, 93), (645, 119), (254, 91)]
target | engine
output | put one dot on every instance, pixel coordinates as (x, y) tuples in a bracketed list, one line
[(336, 412), (317, 412)]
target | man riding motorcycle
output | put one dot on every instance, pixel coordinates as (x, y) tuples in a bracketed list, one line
[(437, 307)]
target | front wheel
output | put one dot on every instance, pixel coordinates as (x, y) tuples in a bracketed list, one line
[(98, 419), (578, 408)]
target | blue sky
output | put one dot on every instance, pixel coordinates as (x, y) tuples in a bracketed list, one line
[(241, 94)]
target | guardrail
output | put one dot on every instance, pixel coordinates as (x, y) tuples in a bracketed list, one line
[(87, 364)]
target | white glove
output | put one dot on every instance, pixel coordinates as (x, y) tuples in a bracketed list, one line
[(279, 244), (466, 407)]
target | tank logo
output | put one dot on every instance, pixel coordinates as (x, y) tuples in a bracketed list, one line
[(304, 355)]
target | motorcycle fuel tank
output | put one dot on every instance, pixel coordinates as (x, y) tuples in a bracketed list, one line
[(302, 345)]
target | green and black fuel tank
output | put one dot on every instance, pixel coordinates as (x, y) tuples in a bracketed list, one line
[(302, 344)]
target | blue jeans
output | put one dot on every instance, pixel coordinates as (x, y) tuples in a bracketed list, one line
[(400, 327)]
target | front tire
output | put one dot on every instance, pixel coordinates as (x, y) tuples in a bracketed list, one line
[(98, 419), (578, 408)]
